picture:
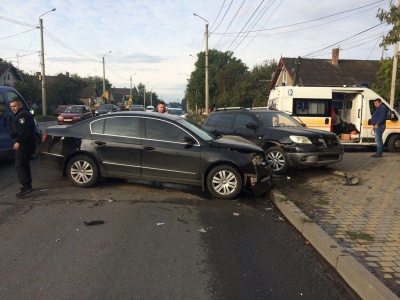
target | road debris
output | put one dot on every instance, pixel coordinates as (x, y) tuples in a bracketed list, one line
[(279, 219), (202, 230), (236, 214), (350, 178), (96, 222), (160, 224), (110, 200), (182, 220), (45, 190)]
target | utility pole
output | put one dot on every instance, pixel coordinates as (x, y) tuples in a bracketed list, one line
[(104, 74), (206, 65), (44, 108), (394, 70)]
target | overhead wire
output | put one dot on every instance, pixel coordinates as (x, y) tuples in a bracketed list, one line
[(217, 15), (17, 22), (247, 22), (224, 14)]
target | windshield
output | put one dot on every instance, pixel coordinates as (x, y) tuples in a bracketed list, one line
[(198, 130), (71, 109), (277, 119)]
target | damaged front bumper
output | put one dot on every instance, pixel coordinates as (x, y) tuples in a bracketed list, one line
[(260, 182)]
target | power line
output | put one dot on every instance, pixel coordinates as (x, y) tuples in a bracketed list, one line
[(344, 39), (218, 14), (309, 21), (224, 15), (6, 37), (17, 22)]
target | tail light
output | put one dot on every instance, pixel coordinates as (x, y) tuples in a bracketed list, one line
[(44, 137)]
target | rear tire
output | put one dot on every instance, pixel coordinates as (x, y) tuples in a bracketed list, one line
[(394, 143), (82, 171), (277, 159), (224, 182)]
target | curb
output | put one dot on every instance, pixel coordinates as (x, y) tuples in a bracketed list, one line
[(366, 285)]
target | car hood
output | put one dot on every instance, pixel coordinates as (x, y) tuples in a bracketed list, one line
[(70, 115), (236, 142), (303, 131)]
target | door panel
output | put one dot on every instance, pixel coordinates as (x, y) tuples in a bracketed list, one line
[(164, 155)]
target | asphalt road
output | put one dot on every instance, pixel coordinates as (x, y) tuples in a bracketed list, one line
[(158, 241)]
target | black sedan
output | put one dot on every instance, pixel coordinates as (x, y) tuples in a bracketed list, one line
[(156, 147)]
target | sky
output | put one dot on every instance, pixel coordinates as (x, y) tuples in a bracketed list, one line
[(156, 42)]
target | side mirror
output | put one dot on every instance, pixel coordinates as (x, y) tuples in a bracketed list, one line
[(369, 121), (188, 140), (393, 117), (304, 125)]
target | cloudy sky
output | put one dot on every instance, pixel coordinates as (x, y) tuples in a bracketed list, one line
[(153, 40)]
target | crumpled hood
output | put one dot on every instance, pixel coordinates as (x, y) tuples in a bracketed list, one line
[(236, 142)]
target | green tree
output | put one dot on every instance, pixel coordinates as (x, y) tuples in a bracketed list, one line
[(97, 82), (391, 17), (64, 89), (384, 80), (29, 88)]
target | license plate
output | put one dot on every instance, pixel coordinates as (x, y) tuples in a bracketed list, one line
[(67, 120)]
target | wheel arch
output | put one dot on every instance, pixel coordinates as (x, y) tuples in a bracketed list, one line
[(68, 159)]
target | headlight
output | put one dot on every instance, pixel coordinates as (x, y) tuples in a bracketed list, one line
[(298, 139), (60, 119)]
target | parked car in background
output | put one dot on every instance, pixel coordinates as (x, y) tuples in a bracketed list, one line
[(155, 147), (74, 114), (60, 109), (286, 142), (150, 108), (177, 112), (8, 93), (107, 108), (136, 107)]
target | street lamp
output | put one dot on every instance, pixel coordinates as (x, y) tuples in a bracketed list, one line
[(206, 59), (104, 73), (42, 63), (131, 87)]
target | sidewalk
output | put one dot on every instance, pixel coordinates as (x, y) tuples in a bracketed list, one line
[(355, 227)]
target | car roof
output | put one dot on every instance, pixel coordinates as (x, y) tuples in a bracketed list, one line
[(141, 113)]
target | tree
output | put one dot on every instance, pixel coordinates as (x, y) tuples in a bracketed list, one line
[(384, 80), (64, 89), (221, 64), (29, 88), (97, 82), (391, 17)]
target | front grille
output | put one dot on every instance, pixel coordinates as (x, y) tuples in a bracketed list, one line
[(328, 142)]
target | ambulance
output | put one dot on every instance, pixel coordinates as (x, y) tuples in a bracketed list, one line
[(315, 107)]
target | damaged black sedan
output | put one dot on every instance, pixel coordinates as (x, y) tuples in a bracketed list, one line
[(156, 147)]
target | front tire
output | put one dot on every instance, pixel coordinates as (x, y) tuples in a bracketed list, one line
[(224, 182), (277, 159), (394, 143), (82, 171)]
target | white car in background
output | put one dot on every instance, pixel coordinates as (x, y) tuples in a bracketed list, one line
[(150, 108)]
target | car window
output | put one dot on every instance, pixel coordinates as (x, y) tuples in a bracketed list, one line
[(2, 105), (163, 131), (242, 120), (220, 120), (119, 126)]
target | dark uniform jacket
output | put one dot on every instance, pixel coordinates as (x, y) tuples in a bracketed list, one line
[(22, 130)]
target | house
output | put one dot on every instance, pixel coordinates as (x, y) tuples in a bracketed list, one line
[(9, 74), (89, 94), (324, 72), (126, 92)]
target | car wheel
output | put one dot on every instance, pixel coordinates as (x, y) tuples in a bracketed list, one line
[(82, 171), (35, 154), (277, 159), (394, 143), (224, 182)]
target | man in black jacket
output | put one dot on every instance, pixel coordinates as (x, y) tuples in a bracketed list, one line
[(22, 130)]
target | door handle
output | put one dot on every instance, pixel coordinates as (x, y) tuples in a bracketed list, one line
[(149, 148), (100, 144)]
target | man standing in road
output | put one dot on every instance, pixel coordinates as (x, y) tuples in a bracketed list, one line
[(378, 120), (161, 108), (22, 130)]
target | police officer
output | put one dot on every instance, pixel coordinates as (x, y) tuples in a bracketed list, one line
[(22, 130)]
